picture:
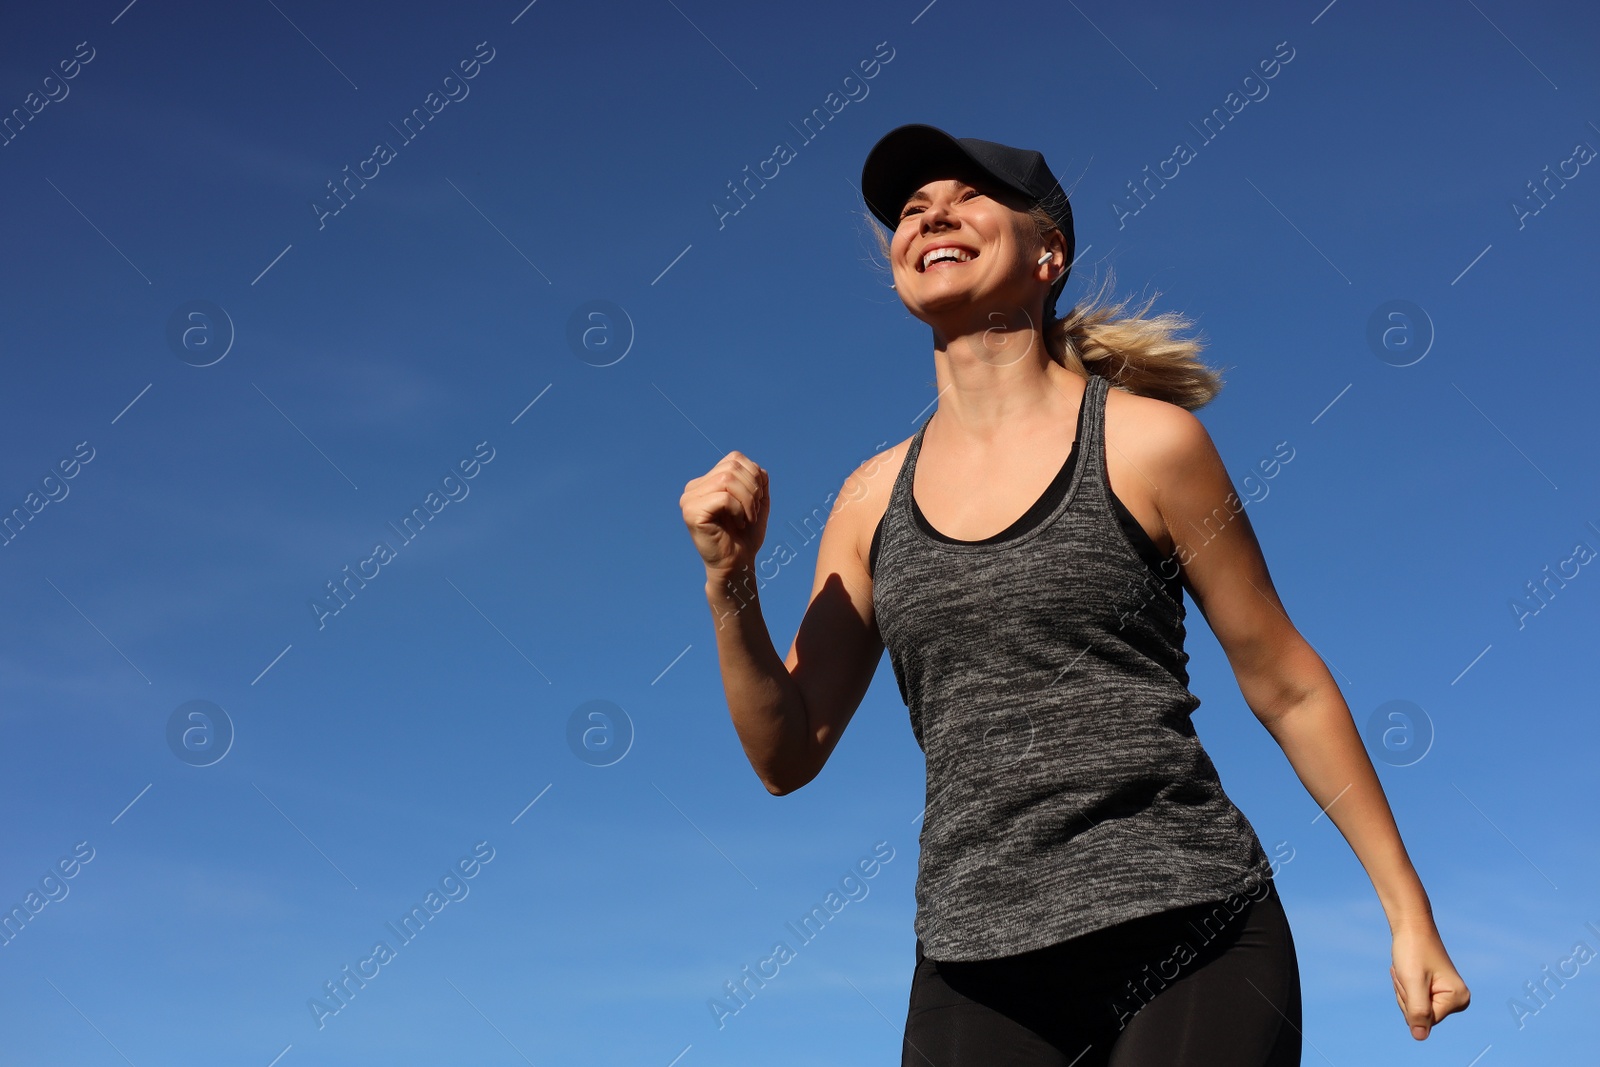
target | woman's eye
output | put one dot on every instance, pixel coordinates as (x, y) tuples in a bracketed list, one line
[(908, 212)]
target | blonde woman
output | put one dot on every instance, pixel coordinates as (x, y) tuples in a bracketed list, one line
[(1086, 891)]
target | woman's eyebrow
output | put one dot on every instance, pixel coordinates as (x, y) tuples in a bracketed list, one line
[(920, 195)]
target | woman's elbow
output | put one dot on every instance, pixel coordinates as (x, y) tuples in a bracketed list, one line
[(783, 783)]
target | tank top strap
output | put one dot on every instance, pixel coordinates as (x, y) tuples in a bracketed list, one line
[(900, 495), (1092, 448)]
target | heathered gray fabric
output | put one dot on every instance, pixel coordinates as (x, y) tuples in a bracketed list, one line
[(1045, 676)]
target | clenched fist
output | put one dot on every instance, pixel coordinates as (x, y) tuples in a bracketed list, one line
[(726, 511)]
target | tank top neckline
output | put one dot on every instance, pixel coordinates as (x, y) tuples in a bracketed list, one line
[(1078, 458)]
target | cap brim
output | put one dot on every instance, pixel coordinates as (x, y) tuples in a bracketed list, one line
[(906, 158)]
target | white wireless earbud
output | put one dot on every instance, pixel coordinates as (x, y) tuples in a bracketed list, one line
[(1044, 257)]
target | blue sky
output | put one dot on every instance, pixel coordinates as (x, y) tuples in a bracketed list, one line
[(345, 365)]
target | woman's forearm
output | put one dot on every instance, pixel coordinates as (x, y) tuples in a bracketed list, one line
[(1323, 745), (763, 700)]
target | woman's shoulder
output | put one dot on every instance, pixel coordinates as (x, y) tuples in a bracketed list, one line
[(1147, 426), (865, 495)]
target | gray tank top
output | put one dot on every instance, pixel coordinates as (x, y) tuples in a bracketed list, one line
[(1045, 675)]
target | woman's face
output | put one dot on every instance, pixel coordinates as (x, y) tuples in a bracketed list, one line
[(997, 250)]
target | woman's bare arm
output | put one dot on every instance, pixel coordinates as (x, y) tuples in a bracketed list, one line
[(1289, 688), (790, 714)]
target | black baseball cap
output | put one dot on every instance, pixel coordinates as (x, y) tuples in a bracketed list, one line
[(907, 157)]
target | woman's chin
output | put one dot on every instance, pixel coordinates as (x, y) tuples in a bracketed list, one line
[(947, 303)]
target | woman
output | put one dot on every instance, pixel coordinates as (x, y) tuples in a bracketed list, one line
[(1086, 891)]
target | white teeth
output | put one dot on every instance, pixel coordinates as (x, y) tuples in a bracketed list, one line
[(945, 253)]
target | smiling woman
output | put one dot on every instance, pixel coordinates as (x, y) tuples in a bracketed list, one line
[(1075, 825), (1048, 880)]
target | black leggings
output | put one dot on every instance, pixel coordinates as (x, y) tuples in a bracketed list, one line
[(1200, 986)]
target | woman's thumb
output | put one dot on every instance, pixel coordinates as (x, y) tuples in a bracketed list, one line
[(1416, 1000)]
